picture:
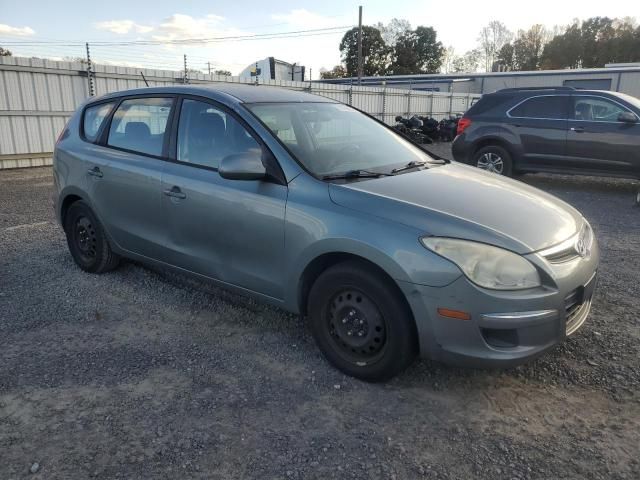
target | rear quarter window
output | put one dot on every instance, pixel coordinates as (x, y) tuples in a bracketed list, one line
[(486, 104), (93, 119)]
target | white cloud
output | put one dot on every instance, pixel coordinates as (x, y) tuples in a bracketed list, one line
[(306, 19), (122, 27), (180, 26), (16, 31)]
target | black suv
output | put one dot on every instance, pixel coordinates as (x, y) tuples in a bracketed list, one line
[(559, 129)]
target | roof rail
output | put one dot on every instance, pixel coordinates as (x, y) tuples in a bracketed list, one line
[(523, 89)]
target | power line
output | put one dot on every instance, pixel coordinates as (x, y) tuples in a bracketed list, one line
[(189, 41)]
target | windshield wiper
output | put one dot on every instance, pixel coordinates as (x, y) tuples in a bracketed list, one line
[(409, 166), (355, 174)]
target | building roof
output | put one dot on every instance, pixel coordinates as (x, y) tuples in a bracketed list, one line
[(451, 77)]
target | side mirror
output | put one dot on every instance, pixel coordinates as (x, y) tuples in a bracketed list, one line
[(242, 166), (627, 117), (398, 118)]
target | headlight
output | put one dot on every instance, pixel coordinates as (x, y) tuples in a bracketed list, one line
[(486, 266)]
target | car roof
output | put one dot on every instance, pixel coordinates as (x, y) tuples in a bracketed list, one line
[(236, 92)]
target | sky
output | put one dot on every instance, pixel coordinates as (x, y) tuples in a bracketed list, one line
[(73, 21)]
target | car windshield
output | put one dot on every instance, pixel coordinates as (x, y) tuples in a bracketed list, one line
[(332, 138), (632, 100)]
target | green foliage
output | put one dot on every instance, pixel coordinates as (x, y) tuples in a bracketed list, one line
[(336, 72), (417, 51), (591, 43), (4, 52), (375, 52), (225, 73), (413, 51)]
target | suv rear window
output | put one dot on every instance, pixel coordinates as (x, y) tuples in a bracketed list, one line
[(548, 106), (486, 103), (93, 118)]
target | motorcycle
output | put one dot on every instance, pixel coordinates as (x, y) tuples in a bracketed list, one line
[(412, 128), (448, 128)]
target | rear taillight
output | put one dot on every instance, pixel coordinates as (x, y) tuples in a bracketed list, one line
[(463, 124)]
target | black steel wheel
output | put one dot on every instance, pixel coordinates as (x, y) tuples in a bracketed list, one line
[(361, 321), (356, 327), (87, 241)]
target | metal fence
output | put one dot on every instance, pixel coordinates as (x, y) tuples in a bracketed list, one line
[(37, 96)]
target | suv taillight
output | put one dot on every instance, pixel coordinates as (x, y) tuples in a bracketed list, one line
[(463, 124)]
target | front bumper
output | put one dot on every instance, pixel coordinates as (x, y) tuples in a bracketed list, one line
[(505, 328)]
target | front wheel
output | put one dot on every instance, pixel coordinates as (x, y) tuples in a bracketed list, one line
[(361, 323), (495, 159)]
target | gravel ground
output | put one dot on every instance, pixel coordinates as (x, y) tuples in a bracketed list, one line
[(135, 374)]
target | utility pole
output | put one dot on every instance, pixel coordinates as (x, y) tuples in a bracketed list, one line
[(209, 67), (359, 44), (185, 80), (90, 73), (293, 72)]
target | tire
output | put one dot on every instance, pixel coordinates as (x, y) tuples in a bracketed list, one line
[(494, 158), (87, 241), (361, 323)]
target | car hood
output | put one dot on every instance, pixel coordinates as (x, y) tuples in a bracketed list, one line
[(459, 201)]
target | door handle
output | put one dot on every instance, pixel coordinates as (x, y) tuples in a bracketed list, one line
[(577, 129), (175, 192), (95, 172)]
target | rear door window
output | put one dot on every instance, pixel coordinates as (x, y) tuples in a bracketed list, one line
[(139, 125), (94, 118), (552, 107)]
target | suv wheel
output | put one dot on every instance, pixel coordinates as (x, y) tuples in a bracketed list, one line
[(87, 241), (493, 159), (360, 323)]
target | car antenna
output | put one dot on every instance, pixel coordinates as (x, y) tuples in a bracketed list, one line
[(144, 79)]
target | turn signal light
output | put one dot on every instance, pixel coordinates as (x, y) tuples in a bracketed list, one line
[(457, 314)]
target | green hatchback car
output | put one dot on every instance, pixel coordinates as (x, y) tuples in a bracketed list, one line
[(315, 207)]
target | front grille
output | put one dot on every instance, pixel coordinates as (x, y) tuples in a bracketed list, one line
[(577, 246)]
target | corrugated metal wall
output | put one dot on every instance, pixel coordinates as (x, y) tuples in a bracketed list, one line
[(38, 96)]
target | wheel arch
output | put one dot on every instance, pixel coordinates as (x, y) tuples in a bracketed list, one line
[(326, 260), (67, 197)]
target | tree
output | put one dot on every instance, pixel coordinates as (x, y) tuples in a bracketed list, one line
[(492, 38), (528, 48), (448, 57), (468, 63), (224, 73), (336, 72), (505, 60), (417, 52), (4, 52), (393, 30), (594, 43), (564, 50), (375, 53)]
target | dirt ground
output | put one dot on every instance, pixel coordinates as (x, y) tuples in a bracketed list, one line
[(136, 374)]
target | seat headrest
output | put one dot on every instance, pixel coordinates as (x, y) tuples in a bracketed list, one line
[(139, 129)]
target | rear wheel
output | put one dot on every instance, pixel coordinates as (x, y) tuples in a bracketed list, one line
[(495, 159), (361, 323), (87, 241)]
